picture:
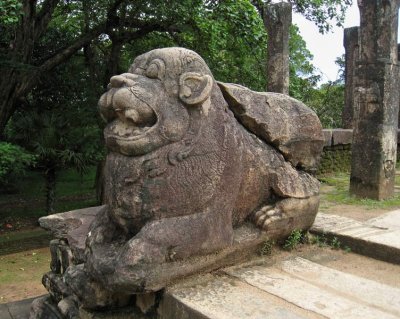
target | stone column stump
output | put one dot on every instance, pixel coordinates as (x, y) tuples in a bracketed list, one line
[(351, 46), (377, 99), (277, 20)]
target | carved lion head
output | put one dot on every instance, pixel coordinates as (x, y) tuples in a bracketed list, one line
[(151, 105)]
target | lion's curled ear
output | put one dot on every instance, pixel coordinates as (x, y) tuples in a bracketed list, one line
[(194, 88)]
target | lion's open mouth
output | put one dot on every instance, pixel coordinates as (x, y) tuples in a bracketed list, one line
[(134, 117)]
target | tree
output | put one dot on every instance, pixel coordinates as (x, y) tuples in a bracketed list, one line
[(24, 23), (14, 161), (322, 12), (120, 20), (58, 126)]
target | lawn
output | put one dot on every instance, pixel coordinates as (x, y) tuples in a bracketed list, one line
[(73, 191), (335, 190), (21, 274), (24, 252)]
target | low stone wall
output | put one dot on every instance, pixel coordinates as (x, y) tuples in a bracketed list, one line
[(336, 156)]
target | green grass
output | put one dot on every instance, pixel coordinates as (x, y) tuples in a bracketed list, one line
[(72, 192), (24, 266), (21, 235), (339, 194)]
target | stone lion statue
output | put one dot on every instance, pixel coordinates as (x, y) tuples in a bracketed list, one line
[(190, 159)]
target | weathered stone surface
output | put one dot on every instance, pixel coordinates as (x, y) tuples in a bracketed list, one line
[(352, 46), (284, 122), (280, 288), (390, 220), (277, 19), (327, 137), (184, 175), (377, 98), (152, 277), (363, 238), (342, 136), (220, 297), (122, 313), (44, 308), (317, 289), (72, 226), (175, 154), (368, 291), (63, 223)]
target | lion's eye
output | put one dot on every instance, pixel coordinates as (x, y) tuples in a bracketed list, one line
[(152, 71)]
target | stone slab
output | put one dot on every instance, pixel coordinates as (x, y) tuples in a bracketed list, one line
[(376, 242), (327, 137), (73, 226), (316, 296), (20, 309), (248, 240), (125, 313), (16, 310), (222, 297), (4, 313), (63, 223), (342, 136), (368, 291), (389, 220), (290, 288)]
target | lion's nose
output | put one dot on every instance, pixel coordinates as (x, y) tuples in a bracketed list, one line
[(118, 81)]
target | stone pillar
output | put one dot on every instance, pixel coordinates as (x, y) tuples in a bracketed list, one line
[(377, 99), (351, 46), (398, 59), (277, 20)]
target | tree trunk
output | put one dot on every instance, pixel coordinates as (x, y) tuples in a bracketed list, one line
[(99, 182), (50, 176)]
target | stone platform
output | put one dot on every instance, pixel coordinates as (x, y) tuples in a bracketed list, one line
[(16, 310), (293, 285), (305, 284), (377, 238)]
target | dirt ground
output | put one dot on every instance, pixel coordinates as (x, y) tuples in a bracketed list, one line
[(21, 274)]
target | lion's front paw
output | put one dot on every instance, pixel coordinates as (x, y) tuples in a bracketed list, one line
[(267, 217), (139, 251)]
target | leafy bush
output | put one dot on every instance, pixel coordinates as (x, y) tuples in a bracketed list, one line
[(14, 161)]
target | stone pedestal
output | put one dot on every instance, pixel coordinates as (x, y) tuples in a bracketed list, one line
[(351, 46), (377, 99), (277, 20)]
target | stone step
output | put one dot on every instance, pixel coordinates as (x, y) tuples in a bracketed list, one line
[(378, 238), (16, 310), (224, 297), (292, 288)]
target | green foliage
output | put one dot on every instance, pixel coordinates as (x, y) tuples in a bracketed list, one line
[(74, 191), (335, 243), (327, 101), (323, 12), (231, 37), (267, 247), (339, 193), (10, 12), (60, 125), (294, 239), (14, 161), (335, 159)]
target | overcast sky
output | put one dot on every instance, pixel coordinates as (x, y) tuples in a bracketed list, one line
[(326, 47)]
